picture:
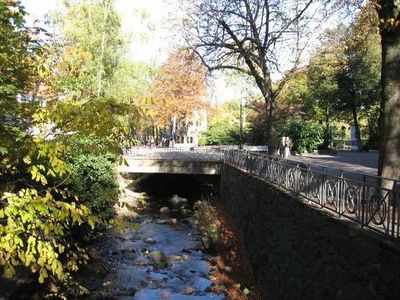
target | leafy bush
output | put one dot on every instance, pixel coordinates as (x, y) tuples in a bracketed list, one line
[(305, 135), (38, 214), (92, 178), (220, 134), (88, 144)]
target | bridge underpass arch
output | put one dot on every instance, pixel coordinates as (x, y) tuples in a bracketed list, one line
[(165, 185)]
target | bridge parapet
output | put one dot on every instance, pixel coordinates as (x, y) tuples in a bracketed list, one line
[(176, 154), (173, 161)]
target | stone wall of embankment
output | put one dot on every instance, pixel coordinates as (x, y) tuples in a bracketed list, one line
[(299, 252)]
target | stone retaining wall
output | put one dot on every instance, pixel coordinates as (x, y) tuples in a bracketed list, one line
[(299, 252)]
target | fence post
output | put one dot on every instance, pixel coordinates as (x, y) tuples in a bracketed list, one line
[(363, 201), (395, 196), (340, 194), (322, 199)]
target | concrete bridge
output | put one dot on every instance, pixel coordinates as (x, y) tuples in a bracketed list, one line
[(173, 161)]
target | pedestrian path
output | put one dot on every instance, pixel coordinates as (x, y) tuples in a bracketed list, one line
[(360, 162)]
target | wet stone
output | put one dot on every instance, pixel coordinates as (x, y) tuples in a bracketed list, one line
[(159, 259), (164, 210), (202, 284), (158, 294), (149, 241), (206, 241), (176, 200), (173, 221), (189, 290), (227, 269)]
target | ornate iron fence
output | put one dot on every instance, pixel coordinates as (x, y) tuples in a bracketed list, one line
[(354, 196)]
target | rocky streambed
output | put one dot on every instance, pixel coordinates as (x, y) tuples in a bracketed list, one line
[(154, 253)]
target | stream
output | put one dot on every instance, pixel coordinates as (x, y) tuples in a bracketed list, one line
[(155, 253)]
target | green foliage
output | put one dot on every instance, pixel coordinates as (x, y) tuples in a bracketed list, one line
[(221, 133), (206, 217), (95, 46), (37, 212), (87, 144), (93, 77), (17, 50), (305, 135), (343, 77), (34, 233), (37, 215), (224, 125), (93, 180)]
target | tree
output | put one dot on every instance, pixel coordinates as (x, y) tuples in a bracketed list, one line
[(358, 77), (36, 215), (179, 89), (389, 150), (19, 52), (322, 82), (224, 125), (257, 38), (289, 106), (49, 184), (305, 135), (92, 29), (87, 74)]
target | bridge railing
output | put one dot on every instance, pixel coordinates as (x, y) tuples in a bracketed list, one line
[(354, 196), (201, 154)]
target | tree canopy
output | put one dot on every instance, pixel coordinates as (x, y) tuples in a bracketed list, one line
[(180, 87), (257, 38)]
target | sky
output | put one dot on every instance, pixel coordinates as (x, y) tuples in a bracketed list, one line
[(150, 42)]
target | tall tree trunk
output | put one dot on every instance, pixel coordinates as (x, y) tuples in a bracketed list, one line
[(389, 147), (271, 133), (355, 121), (100, 70), (327, 121)]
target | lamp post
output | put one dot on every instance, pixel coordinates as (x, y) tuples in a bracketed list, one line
[(173, 131), (240, 125), (343, 135)]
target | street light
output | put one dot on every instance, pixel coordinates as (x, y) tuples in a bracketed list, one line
[(343, 133), (242, 104), (240, 125)]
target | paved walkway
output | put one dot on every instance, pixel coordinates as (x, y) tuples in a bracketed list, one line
[(362, 162)]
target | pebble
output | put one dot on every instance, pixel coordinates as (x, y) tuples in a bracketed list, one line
[(176, 200), (189, 290), (227, 269), (173, 221), (149, 241), (159, 259), (164, 210), (206, 242)]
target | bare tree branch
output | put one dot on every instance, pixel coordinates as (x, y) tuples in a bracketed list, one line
[(259, 38)]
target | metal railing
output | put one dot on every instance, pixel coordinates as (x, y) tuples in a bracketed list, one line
[(354, 196)]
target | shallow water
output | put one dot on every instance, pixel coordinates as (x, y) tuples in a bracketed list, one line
[(159, 258)]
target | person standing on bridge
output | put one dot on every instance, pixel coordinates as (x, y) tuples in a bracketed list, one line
[(285, 145)]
